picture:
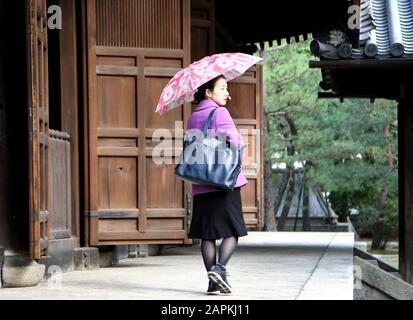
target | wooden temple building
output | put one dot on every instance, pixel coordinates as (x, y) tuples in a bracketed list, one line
[(77, 114), (77, 111)]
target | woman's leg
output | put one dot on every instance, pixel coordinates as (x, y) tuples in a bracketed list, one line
[(226, 249), (219, 273), (208, 250)]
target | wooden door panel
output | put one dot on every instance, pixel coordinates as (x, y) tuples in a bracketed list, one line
[(167, 190), (202, 28), (118, 187), (243, 100), (140, 23), (154, 87), (117, 101), (163, 62), (118, 225), (60, 185), (250, 135), (133, 199), (171, 224), (249, 196), (245, 107), (116, 61)]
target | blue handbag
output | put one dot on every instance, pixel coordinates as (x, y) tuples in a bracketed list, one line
[(209, 160)]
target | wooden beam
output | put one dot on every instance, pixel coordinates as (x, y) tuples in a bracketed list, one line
[(363, 63), (132, 52)]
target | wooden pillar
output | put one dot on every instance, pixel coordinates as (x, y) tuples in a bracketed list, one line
[(405, 122), (14, 226), (4, 141)]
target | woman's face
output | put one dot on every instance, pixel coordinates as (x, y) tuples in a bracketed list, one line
[(220, 92)]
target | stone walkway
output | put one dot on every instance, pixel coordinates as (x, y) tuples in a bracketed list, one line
[(266, 266)]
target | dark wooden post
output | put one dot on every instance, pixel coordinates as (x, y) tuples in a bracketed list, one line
[(405, 122)]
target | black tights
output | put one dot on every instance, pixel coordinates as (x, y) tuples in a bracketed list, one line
[(226, 249)]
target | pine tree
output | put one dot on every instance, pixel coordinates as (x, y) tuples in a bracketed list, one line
[(348, 149)]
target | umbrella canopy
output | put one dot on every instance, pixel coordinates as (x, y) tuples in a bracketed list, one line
[(181, 88)]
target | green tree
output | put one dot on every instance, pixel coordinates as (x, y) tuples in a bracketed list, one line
[(348, 149)]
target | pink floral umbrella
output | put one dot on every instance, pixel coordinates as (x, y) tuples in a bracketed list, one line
[(181, 88)]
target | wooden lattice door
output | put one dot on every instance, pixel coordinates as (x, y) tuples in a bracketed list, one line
[(38, 126)]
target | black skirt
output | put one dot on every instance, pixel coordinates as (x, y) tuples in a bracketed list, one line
[(217, 215)]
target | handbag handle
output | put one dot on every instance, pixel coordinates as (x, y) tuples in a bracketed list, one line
[(208, 122)]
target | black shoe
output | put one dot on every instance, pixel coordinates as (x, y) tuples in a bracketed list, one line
[(218, 274), (213, 289)]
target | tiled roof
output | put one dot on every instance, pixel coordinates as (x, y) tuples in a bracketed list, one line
[(385, 31)]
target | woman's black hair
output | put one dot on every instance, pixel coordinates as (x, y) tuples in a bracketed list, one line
[(200, 93)]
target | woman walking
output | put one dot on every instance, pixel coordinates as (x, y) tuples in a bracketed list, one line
[(217, 214)]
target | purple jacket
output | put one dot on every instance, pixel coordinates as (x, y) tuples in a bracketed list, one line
[(222, 121)]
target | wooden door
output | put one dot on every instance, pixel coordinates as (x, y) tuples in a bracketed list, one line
[(246, 109), (207, 38), (133, 49), (38, 127), (202, 28)]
